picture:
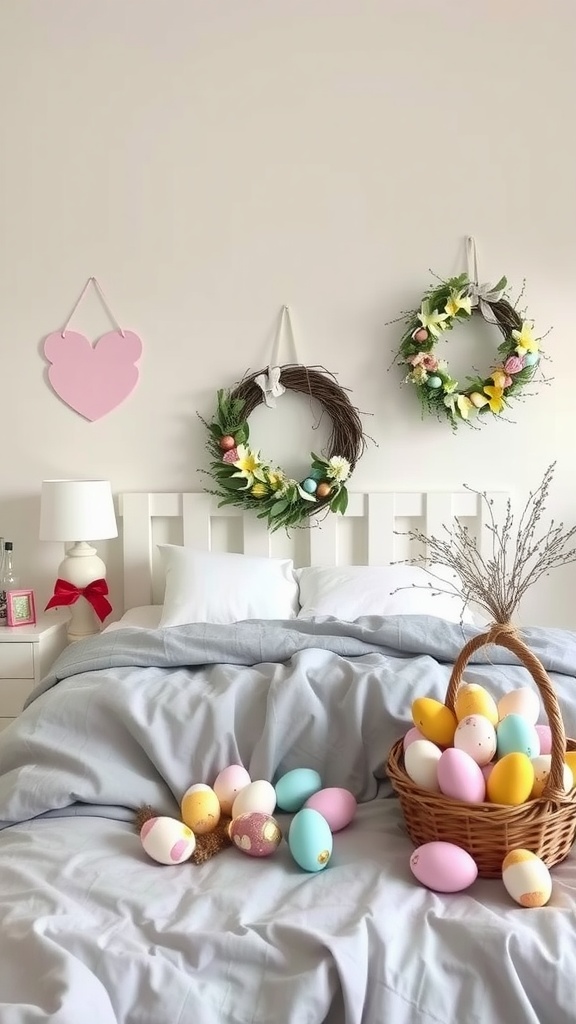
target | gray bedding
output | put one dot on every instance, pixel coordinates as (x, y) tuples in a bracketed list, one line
[(93, 932)]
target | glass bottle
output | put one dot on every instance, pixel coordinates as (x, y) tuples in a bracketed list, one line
[(8, 579)]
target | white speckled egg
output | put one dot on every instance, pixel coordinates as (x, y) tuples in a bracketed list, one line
[(256, 834), (421, 764), (258, 796), (167, 841), (542, 765), (523, 701), (476, 736), (526, 878), (228, 784)]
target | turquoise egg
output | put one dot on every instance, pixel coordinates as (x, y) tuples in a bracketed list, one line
[(310, 840), (294, 788), (309, 485), (531, 358), (434, 382), (516, 735), (317, 474)]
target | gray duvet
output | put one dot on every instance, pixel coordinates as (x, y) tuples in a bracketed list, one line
[(93, 932)]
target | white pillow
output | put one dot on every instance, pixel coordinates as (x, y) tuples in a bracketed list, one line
[(145, 616), (347, 592), (222, 588)]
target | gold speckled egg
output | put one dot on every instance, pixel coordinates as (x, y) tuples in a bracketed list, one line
[(200, 809), (473, 699)]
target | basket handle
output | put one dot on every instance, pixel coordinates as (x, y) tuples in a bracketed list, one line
[(505, 635)]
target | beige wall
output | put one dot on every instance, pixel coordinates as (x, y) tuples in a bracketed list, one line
[(211, 161)]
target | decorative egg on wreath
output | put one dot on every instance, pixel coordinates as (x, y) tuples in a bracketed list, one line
[(444, 306), (245, 478)]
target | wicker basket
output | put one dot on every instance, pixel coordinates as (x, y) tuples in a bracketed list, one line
[(545, 825)]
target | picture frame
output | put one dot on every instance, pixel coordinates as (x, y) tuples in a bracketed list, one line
[(20, 608)]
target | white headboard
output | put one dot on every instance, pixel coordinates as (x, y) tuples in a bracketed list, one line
[(366, 535)]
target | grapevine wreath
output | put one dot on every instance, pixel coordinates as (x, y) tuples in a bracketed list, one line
[(442, 307), (244, 478)]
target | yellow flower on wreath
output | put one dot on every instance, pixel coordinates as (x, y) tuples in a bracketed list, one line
[(495, 398), (457, 301), (432, 320), (259, 490), (276, 479), (525, 340), (249, 466)]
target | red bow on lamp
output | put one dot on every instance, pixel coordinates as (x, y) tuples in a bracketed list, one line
[(68, 593)]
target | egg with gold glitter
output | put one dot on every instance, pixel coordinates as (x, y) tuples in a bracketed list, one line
[(200, 809), (526, 878), (310, 840), (323, 490), (255, 833)]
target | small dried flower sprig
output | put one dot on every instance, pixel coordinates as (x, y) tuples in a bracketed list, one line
[(520, 556)]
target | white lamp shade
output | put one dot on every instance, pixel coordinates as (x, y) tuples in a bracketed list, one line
[(77, 510)]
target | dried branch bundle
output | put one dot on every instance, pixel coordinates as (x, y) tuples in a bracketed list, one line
[(519, 556)]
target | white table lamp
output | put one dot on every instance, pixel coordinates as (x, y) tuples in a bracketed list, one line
[(75, 512)]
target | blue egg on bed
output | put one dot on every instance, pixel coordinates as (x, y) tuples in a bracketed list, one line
[(309, 485), (295, 787), (310, 840)]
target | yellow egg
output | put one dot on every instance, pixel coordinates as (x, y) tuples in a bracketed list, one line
[(200, 809), (570, 760), (473, 699), (541, 765), (526, 878), (434, 720), (511, 780)]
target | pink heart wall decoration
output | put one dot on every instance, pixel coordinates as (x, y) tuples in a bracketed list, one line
[(93, 379)]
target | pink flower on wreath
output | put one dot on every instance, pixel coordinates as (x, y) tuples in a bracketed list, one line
[(514, 364), (425, 360), (231, 456)]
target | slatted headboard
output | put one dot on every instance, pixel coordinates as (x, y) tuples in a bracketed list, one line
[(367, 535)]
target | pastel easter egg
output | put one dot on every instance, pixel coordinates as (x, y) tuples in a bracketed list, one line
[(516, 735), (443, 867), (228, 784), (309, 485), (523, 701), (294, 788), (531, 358), (257, 796), (255, 834), (460, 777), (434, 382), (167, 841), (336, 805), (542, 765), (526, 878), (570, 760), (545, 737), (421, 335), (476, 736), (434, 720), (200, 808), (511, 779), (310, 840), (412, 735), (473, 699), (421, 764), (486, 769)]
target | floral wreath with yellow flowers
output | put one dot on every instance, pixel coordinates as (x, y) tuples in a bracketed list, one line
[(456, 301), (245, 479)]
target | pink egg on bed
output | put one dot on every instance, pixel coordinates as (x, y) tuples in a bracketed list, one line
[(545, 736), (228, 784), (256, 834), (443, 867), (411, 736), (336, 805)]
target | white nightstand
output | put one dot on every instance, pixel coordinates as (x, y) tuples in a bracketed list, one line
[(26, 654)]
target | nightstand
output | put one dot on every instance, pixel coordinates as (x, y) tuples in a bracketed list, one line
[(26, 654)]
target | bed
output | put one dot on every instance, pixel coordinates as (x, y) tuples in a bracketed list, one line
[(93, 931)]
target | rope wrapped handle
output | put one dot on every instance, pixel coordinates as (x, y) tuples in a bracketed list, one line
[(505, 635)]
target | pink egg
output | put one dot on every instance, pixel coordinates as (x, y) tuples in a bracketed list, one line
[(443, 867), (460, 777), (256, 834), (545, 737), (228, 784), (337, 806), (486, 769), (476, 736), (412, 735), (524, 701)]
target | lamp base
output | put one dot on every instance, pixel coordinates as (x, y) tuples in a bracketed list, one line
[(82, 566)]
